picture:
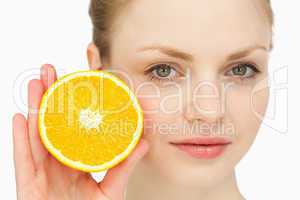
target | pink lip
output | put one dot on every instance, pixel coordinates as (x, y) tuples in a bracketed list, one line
[(204, 147)]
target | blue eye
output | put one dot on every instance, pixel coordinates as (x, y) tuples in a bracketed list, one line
[(243, 70)]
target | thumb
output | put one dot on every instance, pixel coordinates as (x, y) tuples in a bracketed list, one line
[(115, 181)]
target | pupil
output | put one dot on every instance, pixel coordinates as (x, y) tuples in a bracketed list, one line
[(240, 70), (163, 71)]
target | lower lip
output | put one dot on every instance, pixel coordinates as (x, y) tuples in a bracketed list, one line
[(202, 151)]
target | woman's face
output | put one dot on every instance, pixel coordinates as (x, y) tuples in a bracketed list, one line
[(198, 69)]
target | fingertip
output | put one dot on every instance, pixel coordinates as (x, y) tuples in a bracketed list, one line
[(48, 75), (34, 83), (18, 117), (19, 123), (46, 67), (144, 145), (140, 150), (35, 86), (116, 178)]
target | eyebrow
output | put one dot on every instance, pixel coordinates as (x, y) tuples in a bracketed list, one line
[(245, 52), (173, 52)]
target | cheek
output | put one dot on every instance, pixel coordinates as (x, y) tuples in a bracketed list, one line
[(246, 108), (260, 99), (162, 108), (161, 115), (161, 121)]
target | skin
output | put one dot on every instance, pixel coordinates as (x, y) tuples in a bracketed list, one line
[(137, 42), (40, 176)]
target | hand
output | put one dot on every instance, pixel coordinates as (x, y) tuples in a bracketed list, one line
[(41, 176)]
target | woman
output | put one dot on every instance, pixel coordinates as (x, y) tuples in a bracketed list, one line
[(191, 64)]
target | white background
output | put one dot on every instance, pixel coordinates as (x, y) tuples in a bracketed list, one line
[(35, 32)]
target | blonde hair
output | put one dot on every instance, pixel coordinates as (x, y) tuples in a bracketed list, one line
[(103, 12)]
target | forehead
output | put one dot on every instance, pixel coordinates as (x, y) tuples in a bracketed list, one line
[(199, 26)]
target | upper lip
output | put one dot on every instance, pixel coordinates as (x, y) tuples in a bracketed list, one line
[(203, 141)]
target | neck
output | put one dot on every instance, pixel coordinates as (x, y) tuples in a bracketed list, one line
[(148, 186)]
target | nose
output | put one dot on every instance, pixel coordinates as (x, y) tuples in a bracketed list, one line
[(204, 102)]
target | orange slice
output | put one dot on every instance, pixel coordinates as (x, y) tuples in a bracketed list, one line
[(90, 120)]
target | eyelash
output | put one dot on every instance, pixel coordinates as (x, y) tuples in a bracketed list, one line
[(150, 72), (250, 66)]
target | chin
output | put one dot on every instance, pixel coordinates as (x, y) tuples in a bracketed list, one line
[(204, 176)]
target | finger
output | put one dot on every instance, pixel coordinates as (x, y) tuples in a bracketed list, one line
[(24, 165), (114, 183), (35, 92), (48, 75), (93, 60)]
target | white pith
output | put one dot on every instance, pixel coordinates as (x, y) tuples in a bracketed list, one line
[(89, 119)]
